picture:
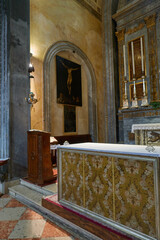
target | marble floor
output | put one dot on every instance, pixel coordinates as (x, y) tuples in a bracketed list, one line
[(19, 222)]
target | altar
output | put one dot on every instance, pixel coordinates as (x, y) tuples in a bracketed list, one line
[(147, 134), (114, 184)]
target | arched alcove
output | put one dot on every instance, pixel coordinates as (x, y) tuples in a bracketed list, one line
[(92, 98)]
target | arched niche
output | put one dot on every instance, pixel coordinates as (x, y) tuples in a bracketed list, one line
[(91, 79)]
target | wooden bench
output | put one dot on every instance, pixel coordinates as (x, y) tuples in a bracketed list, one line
[(69, 138), (81, 138)]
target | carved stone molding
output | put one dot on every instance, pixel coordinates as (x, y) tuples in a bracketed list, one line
[(135, 29), (92, 98), (120, 35), (96, 10), (150, 21), (139, 114)]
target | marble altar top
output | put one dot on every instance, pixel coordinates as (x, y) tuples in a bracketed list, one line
[(114, 148), (148, 126)]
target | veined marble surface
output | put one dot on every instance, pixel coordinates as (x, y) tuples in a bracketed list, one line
[(147, 126), (114, 148)]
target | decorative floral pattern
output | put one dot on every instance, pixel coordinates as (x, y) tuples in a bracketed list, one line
[(134, 194), (98, 185), (72, 177), (118, 189), (133, 197)]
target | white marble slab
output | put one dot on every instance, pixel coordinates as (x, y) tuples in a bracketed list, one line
[(147, 126), (114, 148)]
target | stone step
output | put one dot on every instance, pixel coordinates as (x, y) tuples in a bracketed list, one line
[(19, 191), (32, 197), (44, 190)]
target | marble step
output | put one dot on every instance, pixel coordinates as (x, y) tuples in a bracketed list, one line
[(44, 190), (20, 191), (33, 199)]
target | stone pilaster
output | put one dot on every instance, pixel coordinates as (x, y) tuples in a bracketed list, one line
[(19, 58), (109, 74)]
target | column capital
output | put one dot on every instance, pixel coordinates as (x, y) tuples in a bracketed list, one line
[(120, 35), (150, 21)]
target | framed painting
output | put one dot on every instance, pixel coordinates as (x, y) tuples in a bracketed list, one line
[(69, 118), (69, 89)]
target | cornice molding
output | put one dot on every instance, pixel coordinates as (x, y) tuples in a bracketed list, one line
[(135, 6), (135, 29)]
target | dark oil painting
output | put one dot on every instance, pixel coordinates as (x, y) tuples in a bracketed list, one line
[(69, 118), (68, 82)]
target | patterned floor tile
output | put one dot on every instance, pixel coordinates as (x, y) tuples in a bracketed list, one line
[(57, 238), (51, 230), (30, 215), (14, 203), (4, 202), (25, 239), (28, 229), (5, 196), (11, 214), (6, 227)]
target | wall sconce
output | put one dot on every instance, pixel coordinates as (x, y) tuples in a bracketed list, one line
[(31, 99), (30, 70)]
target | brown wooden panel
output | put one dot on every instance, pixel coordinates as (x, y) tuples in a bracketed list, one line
[(39, 157)]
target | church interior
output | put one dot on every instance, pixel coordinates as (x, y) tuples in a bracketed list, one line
[(80, 116)]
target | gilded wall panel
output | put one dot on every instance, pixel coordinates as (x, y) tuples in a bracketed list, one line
[(120, 36), (98, 185), (134, 195), (153, 58), (72, 177)]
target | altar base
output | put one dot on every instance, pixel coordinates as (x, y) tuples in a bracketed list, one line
[(93, 227)]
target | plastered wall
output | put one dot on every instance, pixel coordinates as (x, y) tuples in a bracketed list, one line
[(59, 20)]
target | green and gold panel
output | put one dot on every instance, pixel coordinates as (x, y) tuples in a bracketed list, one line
[(98, 185), (134, 195), (72, 177)]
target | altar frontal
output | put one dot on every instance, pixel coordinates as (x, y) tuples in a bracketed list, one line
[(117, 185)]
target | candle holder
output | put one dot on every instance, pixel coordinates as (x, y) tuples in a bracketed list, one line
[(134, 100), (144, 99), (125, 100)]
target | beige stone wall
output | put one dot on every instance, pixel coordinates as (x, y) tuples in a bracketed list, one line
[(60, 20), (36, 86), (57, 110)]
